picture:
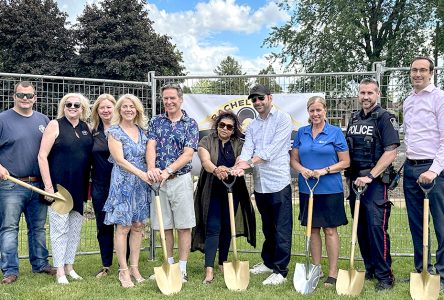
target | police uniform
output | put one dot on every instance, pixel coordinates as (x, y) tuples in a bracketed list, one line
[(368, 136)]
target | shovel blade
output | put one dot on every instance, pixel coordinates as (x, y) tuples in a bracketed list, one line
[(168, 278), (424, 286), (350, 282), (306, 284), (237, 275)]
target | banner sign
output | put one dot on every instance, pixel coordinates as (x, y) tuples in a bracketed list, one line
[(203, 108)]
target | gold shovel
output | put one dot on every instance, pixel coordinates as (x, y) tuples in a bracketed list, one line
[(350, 282), (236, 273), (168, 277), (63, 206), (424, 286)]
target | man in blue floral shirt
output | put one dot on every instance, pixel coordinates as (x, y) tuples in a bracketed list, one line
[(173, 138)]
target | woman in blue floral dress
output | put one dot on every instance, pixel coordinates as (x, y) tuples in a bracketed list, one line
[(128, 201)]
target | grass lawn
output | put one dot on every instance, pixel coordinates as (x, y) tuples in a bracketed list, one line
[(38, 286)]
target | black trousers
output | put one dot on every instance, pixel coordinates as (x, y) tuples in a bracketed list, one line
[(373, 238), (218, 231), (277, 221), (105, 233)]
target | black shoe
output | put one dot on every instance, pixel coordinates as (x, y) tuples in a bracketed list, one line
[(384, 285), (369, 275)]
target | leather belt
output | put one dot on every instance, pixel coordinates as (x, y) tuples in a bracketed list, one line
[(29, 179), (419, 161), (172, 176)]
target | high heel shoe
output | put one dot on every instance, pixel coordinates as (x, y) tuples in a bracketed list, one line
[(125, 283), (138, 279)]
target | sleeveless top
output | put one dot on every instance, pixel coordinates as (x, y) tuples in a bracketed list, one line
[(70, 160)]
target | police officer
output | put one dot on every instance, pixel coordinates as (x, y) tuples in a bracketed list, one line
[(372, 135)]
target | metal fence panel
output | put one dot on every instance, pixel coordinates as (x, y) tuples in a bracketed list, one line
[(341, 94)]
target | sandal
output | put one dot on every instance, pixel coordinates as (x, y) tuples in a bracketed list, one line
[(205, 281), (330, 281), (104, 271), (125, 283), (138, 279)]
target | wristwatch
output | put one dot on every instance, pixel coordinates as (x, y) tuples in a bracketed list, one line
[(327, 170), (369, 175), (250, 163), (169, 170)]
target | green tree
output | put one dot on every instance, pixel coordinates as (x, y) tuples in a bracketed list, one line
[(117, 41), (271, 82), (346, 35), (34, 39), (230, 86)]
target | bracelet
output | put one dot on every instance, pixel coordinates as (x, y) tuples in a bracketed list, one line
[(47, 188), (328, 170), (214, 170)]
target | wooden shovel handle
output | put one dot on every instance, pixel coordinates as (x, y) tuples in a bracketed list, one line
[(161, 228), (232, 224), (29, 186), (425, 234), (354, 230), (309, 215)]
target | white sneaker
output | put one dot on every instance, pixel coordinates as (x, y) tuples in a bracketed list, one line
[(274, 279), (260, 268), (184, 276), (62, 280), (152, 277), (74, 275)]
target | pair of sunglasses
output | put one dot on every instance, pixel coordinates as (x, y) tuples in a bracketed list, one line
[(69, 104), (23, 95), (254, 99), (222, 125)]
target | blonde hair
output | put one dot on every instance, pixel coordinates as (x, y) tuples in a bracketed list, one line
[(95, 119), (312, 100), (140, 120), (84, 102)]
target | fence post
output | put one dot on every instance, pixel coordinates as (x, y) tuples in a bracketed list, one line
[(153, 83), (378, 67)]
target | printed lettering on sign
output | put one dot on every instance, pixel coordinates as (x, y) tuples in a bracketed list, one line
[(361, 129)]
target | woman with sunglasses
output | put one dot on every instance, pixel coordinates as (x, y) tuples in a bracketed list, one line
[(128, 203), (320, 152), (65, 159), (218, 152)]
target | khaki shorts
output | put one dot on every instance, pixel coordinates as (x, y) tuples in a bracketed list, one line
[(177, 204)]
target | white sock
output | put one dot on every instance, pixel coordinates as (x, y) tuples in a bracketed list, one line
[(171, 260), (183, 265)]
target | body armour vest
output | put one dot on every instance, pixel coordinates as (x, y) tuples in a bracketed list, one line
[(364, 140)]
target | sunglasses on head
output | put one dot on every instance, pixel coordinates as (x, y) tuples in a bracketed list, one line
[(222, 125), (254, 99), (70, 104), (23, 95)]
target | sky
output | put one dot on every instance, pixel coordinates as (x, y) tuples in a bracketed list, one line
[(206, 32)]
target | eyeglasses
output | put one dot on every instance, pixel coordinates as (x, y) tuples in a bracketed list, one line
[(23, 95), (422, 70), (254, 99), (222, 125), (69, 104)]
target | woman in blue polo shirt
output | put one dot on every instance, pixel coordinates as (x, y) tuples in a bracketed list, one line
[(320, 151)]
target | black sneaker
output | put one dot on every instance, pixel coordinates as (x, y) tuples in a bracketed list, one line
[(384, 285)]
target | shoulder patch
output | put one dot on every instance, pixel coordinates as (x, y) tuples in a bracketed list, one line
[(394, 123)]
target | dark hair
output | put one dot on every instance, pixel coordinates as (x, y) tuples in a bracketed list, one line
[(228, 114), (431, 64), (24, 84), (172, 86), (369, 80)]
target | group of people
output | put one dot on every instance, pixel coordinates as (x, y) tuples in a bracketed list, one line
[(127, 157)]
